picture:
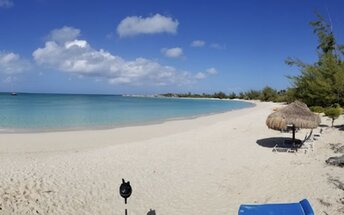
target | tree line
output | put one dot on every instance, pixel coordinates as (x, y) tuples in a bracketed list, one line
[(266, 94)]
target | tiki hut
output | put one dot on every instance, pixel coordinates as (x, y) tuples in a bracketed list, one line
[(296, 115)]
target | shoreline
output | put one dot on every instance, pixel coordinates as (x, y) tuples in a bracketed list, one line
[(125, 125), (147, 131)]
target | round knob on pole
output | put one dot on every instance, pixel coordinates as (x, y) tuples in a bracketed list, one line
[(125, 190)]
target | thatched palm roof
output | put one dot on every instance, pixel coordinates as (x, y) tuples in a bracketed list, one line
[(296, 113)]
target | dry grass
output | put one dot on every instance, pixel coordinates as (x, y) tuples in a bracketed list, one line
[(296, 113)]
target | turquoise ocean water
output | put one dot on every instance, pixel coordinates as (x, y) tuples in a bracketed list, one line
[(63, 112)]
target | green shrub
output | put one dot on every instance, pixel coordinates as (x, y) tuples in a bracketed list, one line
[(333, 113), (232, 95), (220, 95), (252, 94), (317, 109), (268, 94)]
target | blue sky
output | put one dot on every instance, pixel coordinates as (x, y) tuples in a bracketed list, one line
[(147, 47)]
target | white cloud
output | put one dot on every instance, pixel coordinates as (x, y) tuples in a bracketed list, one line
[(6, 3), (217, 46), (64, 34), (208, 72), (197, 43), (79, 58), (11, 63), (134, 25), (211, 71), (200, 75), (172, 52)]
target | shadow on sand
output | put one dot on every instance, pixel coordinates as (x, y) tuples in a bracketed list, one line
[(340, 127), (273, 141)]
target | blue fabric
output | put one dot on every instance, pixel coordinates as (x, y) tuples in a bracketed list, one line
[(307, 207), (300, 208)]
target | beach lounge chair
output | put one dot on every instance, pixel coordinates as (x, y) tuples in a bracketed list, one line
[(287, 146), (278, 148), (307, 146), (300, 208), (307, 143), (317, 135)]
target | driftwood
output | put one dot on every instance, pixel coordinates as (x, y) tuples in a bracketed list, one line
[(337, 148), (336, 161), (336, 182)]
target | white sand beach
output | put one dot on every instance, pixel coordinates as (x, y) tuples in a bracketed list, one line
[(207, 165)]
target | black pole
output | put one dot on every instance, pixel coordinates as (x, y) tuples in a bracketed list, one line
[(294, 136), (293, 133), (125, 191)]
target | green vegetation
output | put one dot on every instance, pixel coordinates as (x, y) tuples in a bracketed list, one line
[(220, 95), (317, 109), (333, 113), (267, 94), (320, 85)]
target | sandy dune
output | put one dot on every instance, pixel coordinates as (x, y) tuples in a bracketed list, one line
[(207, 165)]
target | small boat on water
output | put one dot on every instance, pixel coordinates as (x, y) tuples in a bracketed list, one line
[(13, 94)]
